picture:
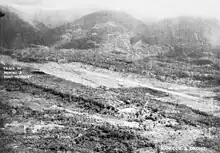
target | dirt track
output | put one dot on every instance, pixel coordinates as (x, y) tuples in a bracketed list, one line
[(56, 103), (197, 98), (95, 77)]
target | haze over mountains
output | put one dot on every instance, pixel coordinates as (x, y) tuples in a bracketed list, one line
[(16, 31), (110, 79), (55, 18), (80, 31)]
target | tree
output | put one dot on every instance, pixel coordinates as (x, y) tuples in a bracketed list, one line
[(2, 14)]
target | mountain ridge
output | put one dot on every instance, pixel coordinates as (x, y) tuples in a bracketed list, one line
[(97, 27), (105, 27), (16, 32)]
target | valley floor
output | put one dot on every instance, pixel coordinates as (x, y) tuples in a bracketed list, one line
[(79, 108)]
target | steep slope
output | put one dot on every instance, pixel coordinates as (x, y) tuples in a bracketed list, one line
[(41, 26), (214, 32), (122, 18), (95, 29), (185, 36), (185, 30), (20, 13), (54, 17), (16, 32)]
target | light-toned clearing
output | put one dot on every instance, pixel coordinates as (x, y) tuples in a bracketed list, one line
[(95, 77)]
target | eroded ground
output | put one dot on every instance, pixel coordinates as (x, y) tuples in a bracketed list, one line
[(46, 113)]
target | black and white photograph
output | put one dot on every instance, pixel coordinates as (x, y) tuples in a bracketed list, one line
[(109, 76)]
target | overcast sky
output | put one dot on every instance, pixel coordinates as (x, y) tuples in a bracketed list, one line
[(142, 8)]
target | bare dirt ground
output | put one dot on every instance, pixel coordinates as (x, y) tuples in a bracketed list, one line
[(66, 110), (96, 77)]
